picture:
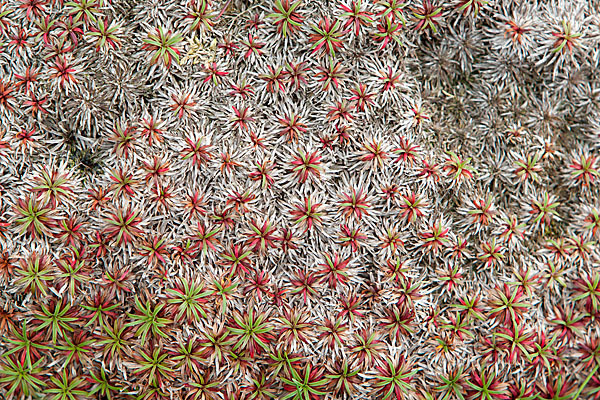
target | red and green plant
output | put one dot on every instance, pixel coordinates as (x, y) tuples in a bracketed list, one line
[(250, 331), (286, 16), (148, 320), (393, 378), (327, 37), (163, 44)]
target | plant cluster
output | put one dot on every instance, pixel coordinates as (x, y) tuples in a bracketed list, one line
[(288, 199)]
